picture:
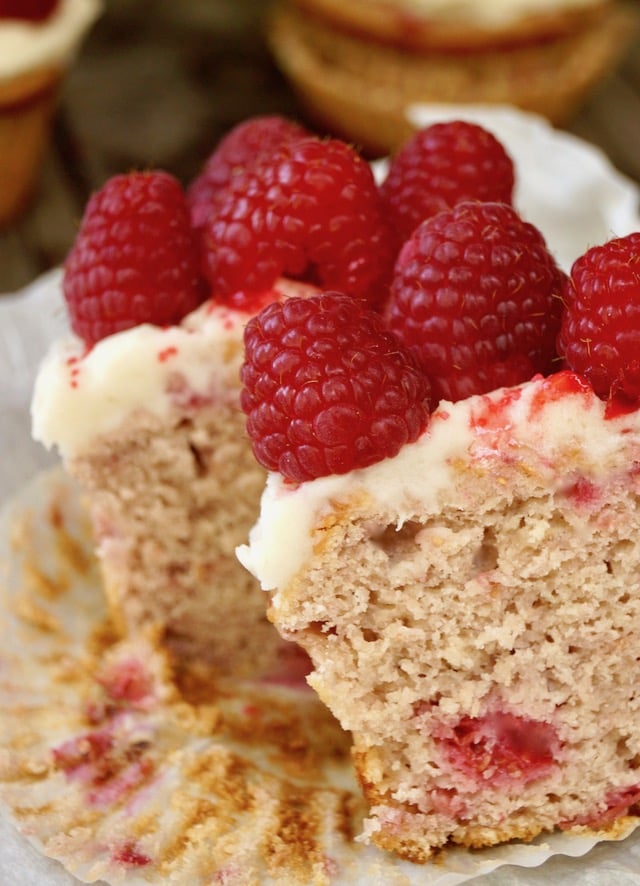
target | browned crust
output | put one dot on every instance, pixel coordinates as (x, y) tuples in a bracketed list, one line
[(471, 837)]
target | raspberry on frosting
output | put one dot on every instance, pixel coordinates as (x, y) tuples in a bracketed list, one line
[(476, 296), (310, 211), (134, 259), (600, 334), (442, 165), (240, 149), (327, 388)]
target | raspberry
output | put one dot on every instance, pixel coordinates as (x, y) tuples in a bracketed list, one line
[(28, 10), (500, 748), (327, 388), (441, 166), (242, 147), (134, 259), (600, 331), (476, 295), (312, 212)]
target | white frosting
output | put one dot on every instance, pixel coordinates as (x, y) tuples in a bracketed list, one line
[(418, 478), (28, 45), (491, 13), (78, 395)]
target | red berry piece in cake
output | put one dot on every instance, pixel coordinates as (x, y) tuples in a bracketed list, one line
[(241, 148), (129, 855), (311, 212), (441, 166), (476, 296), (327, 388), (600, 334), (135, 258), (28, 10), (500, 748)]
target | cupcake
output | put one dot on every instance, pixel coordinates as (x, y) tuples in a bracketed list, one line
[(37, 41), (358, 66)]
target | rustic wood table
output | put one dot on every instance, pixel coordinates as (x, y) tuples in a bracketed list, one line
[(157, 83)]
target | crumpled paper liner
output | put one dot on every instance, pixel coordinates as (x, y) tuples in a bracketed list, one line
[(62, 672)]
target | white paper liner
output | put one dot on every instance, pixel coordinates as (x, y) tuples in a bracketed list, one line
[(577, 199)]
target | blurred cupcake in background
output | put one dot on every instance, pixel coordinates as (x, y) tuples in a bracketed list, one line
[(38, 39), (357, 65)]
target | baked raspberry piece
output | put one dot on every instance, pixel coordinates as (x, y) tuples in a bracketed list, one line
[(476, 296), (28, 10), (311, 211), (500, 748), (600, 334), (327, 388), (241, 148), (134, 259), (441, 166)]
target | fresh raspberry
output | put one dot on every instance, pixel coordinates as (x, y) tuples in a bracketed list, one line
[(135, 258), (312, 212), (242, 147), (441, 166), (600, 334), (476, 295), (327, 388), (28, 10)]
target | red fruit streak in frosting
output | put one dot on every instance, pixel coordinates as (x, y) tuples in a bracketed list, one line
[(166, 353)]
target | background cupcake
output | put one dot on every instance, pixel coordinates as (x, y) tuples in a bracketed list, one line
[(357, 66), (38, 39)]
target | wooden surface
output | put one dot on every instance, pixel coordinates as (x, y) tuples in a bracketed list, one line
[(157, 82)]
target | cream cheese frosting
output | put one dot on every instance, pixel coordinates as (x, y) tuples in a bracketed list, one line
[(79, 394), (489, 13), (28, 45), (542, 426)]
